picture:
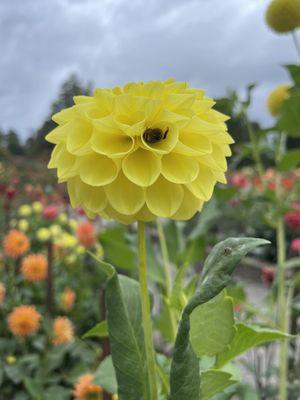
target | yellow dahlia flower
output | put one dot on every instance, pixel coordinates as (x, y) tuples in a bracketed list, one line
[(23, 225), (37, 207), (276, 98), (142, 151), (25, 210), (43, 234), (283, 16)]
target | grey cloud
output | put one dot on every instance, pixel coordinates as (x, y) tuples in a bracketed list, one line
[(212, 44)]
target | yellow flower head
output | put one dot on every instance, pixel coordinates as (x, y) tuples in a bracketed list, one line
[(85, 388), (276, 98), (11, 360), (143, 151), (34, 267), (43, 234), (283, 16), (63, 330), (15, 244), (55, 230), (67, 241), (23, 225), (23, 320), (25, 210), (70, 259), (63, 218), (80, 250), (37, 207)]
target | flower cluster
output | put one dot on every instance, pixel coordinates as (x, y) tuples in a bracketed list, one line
[(141, 151)]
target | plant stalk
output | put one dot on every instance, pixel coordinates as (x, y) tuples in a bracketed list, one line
[(146, 312), (167, 271), (49, 280)]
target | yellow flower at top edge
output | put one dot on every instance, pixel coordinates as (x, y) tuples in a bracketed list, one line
[(276, 98), (142, 151), (283, 16)]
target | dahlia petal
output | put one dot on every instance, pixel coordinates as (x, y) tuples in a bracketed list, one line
[(79, 134), (97, 170), (144, 215), (65, 162), (194, 144), (64, 116), (219, 156), (178, 168), (142, 167), (113, 145), (83, 99), (74, 186), (220, 176), (94, 198), (203, 186), (189, 206), (164, 198), (124, 196), (153, 89), (110, 212), (58, 134)]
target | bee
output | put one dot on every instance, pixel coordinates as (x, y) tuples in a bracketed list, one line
[(154, 135)]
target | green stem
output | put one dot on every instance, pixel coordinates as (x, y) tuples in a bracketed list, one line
[(283, 317), (167, 271), (146, 312), (256, 152)]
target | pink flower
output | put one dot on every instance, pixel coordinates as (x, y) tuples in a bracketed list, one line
[(50, 212), (239, 181), (295, 245), (292, 219), (267, 275)]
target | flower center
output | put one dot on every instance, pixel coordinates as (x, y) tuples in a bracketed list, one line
[(154, 135)]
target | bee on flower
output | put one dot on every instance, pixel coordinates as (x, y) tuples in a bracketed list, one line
[(24, 320)]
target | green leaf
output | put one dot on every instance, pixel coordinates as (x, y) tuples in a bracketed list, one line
[(289, 120), (212, 326), (245, 338), (34, 388), (294, 71), (218, 267), (125, 330), (117, 249), (290, 160), (213, 382), (100, 330), (105, 376)]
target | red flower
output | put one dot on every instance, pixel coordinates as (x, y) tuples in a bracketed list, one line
[(3, 188), (50, 212), (85, 233), (80, 211), (287, 183), (292, 219), (267, 275), (295, 245), (239, 181), (10, 193)]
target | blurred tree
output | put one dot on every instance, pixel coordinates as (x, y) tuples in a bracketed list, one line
[(12, 143), (36, 144)]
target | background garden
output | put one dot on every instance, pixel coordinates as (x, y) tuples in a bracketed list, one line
[(53, 334)]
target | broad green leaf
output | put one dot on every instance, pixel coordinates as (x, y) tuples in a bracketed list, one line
[(290, 160), (289, 120), (105, 376), (163, 321), (245, 338), (178, 299), (293, 263), (212, 326), (100, 330), (117, 248), (57, 393), (125, 330), (218, 267), (34, 388), (294, 71), (213, 382)]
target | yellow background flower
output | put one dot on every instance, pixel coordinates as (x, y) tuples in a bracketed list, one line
[(277, 97), (23, 320), (25, 210), (143, 151), (43, 234), (283, 15)]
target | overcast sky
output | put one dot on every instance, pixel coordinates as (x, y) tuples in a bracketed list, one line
[(213, 44)]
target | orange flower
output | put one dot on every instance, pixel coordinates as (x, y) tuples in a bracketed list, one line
[(23, 320), (15, 244), (2, 293), (34, 267), (63, 330), (68, 299), (85, 389), (86, 234)]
